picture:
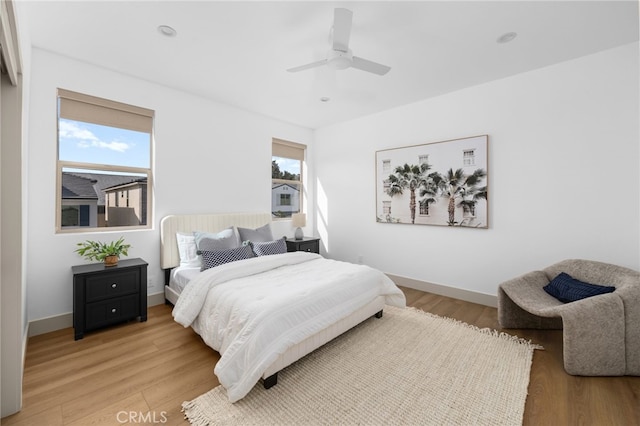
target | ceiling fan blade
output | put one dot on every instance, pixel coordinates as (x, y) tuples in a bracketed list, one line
[(307, 66), (341, 29), (370, 66)]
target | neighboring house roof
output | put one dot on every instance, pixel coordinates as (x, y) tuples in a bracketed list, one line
[(99, 182), (139, 181), (285, 184), (77, 187)]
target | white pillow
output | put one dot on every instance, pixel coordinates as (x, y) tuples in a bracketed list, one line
[(188, 251)]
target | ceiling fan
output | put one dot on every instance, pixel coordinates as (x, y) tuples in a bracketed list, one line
[(340, 56)]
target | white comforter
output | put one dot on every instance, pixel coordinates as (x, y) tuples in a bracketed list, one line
[(253, 310)]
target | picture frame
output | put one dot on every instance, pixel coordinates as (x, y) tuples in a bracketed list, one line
[(440, 183)]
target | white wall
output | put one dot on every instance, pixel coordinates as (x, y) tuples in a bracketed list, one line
[(563, 175), (208, 158)]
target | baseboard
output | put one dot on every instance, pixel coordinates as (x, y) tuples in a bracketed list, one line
[(47, 325), (155, 299), (58, 322), (442, 290)]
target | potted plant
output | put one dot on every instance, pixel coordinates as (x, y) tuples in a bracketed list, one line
[(103, 252)]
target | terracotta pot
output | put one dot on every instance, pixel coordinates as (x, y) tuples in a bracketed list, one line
[(111, 261)]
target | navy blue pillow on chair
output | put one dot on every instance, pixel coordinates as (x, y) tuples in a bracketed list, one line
[(566, 289)]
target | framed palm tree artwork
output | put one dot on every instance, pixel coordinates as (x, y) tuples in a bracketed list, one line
[(440, 183)]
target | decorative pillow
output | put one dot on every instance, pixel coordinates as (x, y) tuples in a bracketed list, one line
[(568, 289), (259, 235), (187, 250), (211, 259), (271, 247), (223, 240)]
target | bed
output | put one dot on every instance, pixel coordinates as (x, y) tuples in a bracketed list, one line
[(364, 292)]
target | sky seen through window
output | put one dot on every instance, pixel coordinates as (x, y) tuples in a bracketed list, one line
[(93, 143)]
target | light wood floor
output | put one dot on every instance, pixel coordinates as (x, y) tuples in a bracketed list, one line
[(151, 368)]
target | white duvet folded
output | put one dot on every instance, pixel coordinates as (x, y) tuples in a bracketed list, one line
[(253, 310)]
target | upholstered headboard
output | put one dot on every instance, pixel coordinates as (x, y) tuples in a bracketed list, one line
[(170, 225)]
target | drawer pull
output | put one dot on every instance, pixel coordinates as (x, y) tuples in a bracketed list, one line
[(113, 311), (114, 285)]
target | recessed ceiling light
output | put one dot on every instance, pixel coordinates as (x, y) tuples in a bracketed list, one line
[(507, 37), (166, 30), (325, 99)]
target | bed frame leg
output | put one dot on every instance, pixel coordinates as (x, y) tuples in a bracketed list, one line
[(378, 314), (271, 381)]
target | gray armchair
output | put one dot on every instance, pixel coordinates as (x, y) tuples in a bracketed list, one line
[(601, 334)]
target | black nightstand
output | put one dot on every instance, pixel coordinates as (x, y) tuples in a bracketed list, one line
[(105, 295), (312, 245)]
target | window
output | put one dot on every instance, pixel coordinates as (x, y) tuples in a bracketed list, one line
[(285, 199), (424, 208), (469, 209), (104, 164), (287, 159), (468, 157), (75, 215)]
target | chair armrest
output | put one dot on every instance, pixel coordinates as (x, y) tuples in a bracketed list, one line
[(594, 336), (526, 291), (537, 279)]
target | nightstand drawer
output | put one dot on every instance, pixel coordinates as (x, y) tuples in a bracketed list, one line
[(111, 311), (111, 285), (310, 246)]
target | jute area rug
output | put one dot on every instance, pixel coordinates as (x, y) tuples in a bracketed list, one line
[(407, 368)]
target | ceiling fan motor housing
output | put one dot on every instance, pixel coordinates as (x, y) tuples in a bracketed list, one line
[(340, 60)]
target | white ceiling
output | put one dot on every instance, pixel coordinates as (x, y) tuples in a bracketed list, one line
[(238, 52)]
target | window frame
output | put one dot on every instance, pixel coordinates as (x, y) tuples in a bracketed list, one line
[(292, 151), (107, 113)]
